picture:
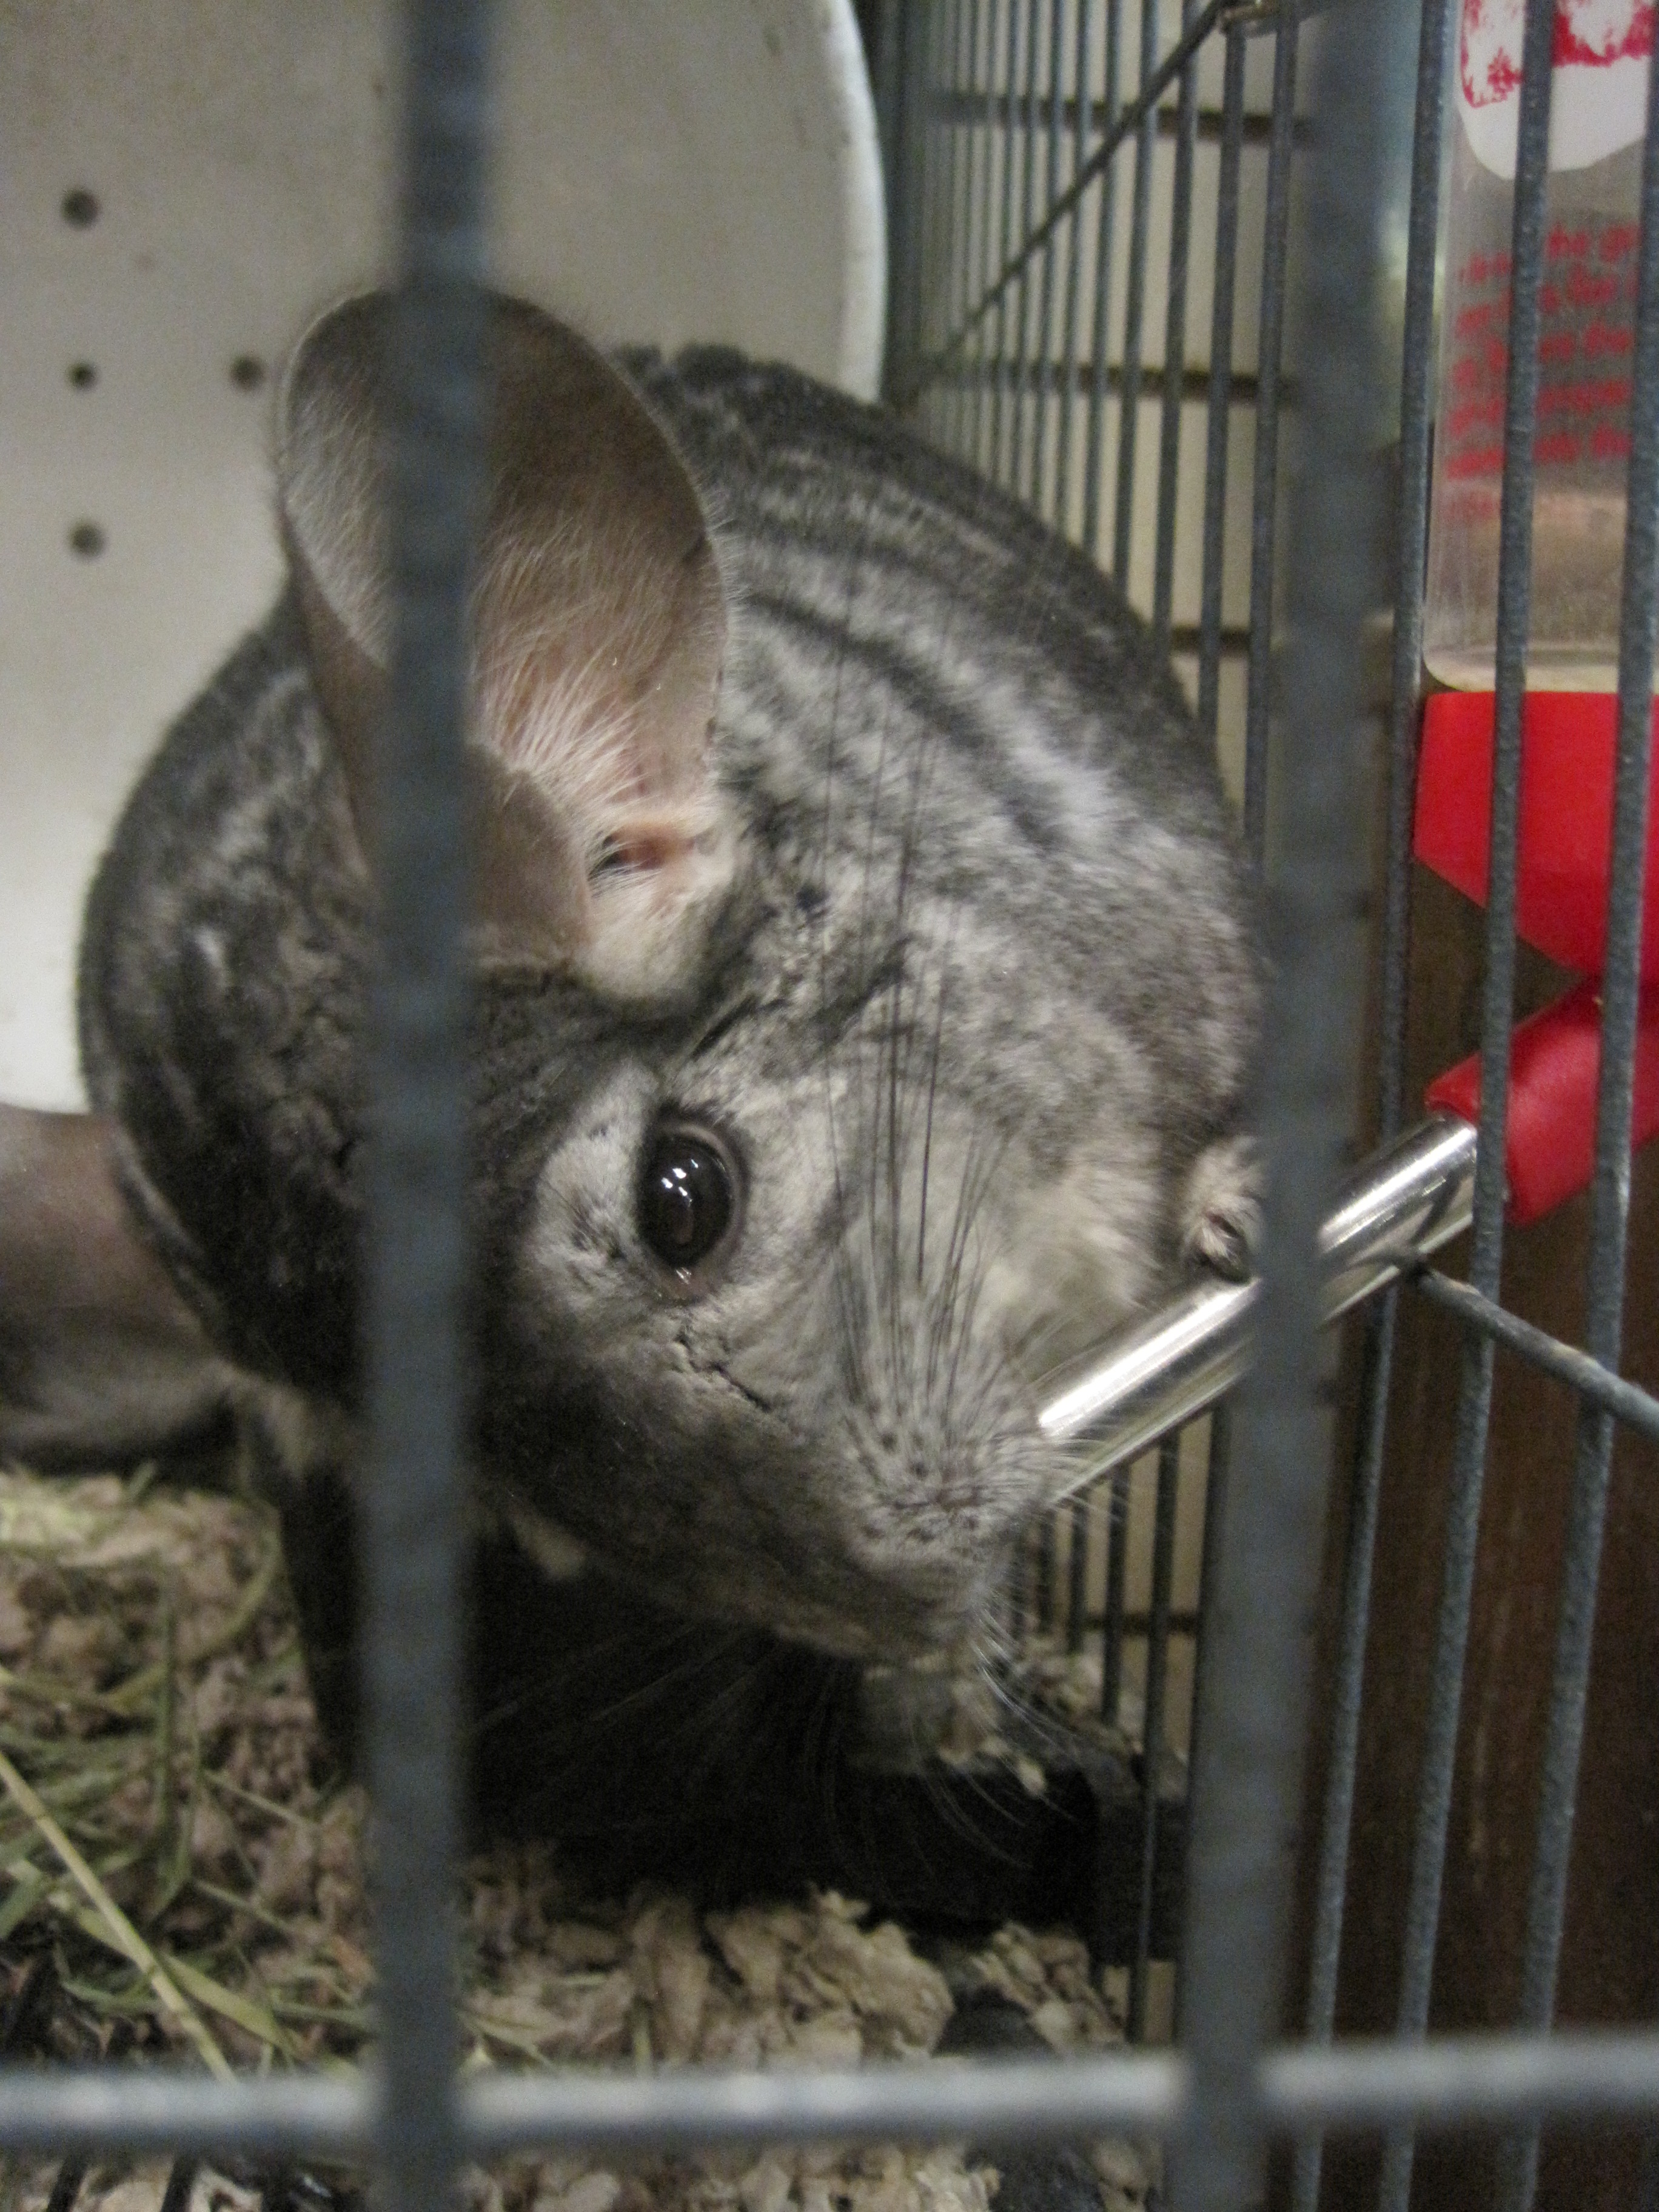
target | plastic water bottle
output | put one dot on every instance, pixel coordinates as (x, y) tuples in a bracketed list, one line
[(1602, 54)]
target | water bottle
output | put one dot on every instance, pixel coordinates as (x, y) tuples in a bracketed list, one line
[(1598, 105)]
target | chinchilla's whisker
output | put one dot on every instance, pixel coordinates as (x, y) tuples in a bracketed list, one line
[(851, 1328), (546, 1690), (967, 1282), (927, 1132)]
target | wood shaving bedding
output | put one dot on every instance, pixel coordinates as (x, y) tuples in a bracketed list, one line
[(151, 1693)]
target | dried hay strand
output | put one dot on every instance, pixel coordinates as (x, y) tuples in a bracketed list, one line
[(183, 1871)]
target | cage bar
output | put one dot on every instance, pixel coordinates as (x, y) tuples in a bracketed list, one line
[(1042, 375), (418, 1163), (1416, 371), (1020, 372), (1484, 1316), (1264, 490), (1245, 1793), (1152, 1730), (1217, 425), (1105, 237), (1474, 1402), (1140, 207), (1175, 345), (1574, 2076), (1066, 396), (1610, 1191)]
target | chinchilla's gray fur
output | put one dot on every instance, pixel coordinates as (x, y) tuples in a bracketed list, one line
[(974, 1015)]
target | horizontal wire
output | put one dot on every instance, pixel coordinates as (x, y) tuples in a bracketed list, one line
[(1359, 2084), (1243, 385), (968, 110), (1623, 1399)]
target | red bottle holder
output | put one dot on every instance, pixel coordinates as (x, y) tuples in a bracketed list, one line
[(1568, 743)]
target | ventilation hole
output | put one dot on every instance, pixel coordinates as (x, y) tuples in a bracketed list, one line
[(81, 207), (247, 372), (87, 541), (82, 375)]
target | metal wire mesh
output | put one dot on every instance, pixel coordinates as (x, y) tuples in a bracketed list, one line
[(1029, 277), (971, 362)]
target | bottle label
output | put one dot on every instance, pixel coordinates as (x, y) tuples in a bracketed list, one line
[(1598, 102)]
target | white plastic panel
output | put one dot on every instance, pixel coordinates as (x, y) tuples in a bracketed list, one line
[(669, 170)]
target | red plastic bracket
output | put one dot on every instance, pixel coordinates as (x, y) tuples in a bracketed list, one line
[(1568, 749), (1555, 1062)]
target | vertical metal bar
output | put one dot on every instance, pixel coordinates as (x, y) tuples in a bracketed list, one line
[(1045, 362), (935, 207), (1209, 1570), (1151, 1734), (1085, 17), (1077, 1575), (1129, 403), (1264, 490), (941, 272), (1111, 1630), (898, 114), (66, 2184), (180, 2184), (1221, 385), (947, 260), (1610, 1192), (1474, 1397), (889, 102), (1097, 361), (1005, 238), (1331, 1881), (1027, 222), (962, 208), (1175, 344), (415, 1253), (1415, 432), (918, 109), (917, 115), (927, 213), (987, 136), (1416, 373), (1246, 1789)]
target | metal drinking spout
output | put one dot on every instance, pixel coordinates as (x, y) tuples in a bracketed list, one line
[(1408, 1199)]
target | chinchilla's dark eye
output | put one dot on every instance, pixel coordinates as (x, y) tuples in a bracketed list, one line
[(690, 1195)]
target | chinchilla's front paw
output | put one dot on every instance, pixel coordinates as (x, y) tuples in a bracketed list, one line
[(1221, 1224)]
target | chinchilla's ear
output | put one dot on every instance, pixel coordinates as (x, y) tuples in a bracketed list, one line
[(599, 624), (101, 1361)]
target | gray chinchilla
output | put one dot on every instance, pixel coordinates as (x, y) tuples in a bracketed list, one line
[(864, 1001)]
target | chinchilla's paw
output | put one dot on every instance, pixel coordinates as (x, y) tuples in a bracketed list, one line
[(1221, 1226)]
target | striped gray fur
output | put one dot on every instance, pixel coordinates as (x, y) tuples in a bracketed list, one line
[(972, 1010)]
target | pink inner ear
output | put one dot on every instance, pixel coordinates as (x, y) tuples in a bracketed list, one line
[(599, 653), (642, 847)]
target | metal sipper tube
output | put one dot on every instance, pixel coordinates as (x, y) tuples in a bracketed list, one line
[(1407, 1201)]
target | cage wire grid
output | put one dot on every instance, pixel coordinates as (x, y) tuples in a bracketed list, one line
[(1028, 313), (981, 354)]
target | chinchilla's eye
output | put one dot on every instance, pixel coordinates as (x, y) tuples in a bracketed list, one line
[(690, 1196)]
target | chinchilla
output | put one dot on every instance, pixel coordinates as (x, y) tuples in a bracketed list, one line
[(864, 999)]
